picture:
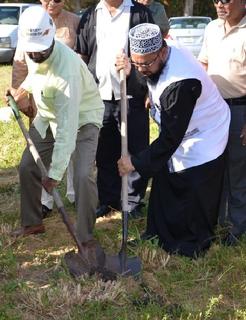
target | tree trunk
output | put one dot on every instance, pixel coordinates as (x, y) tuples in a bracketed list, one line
[(188, 9)]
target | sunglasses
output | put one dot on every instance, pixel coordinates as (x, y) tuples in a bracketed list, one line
[(222, 1)]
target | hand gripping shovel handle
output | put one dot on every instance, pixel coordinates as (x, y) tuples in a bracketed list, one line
[(124, 186), (44, 173)]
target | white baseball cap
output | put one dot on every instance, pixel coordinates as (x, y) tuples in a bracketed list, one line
[(36, 30)]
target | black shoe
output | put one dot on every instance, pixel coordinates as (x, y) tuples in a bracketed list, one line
[(46, 211), (230, 240), (103, 210)]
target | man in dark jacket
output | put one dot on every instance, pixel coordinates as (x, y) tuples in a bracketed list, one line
[(102, 34)]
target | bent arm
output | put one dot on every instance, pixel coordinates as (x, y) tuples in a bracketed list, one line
[(177, 105)]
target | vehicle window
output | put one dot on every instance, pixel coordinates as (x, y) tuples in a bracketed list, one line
[(9, 15), (199, 23), (24, 8)]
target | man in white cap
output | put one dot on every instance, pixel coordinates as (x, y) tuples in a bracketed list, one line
[(186, 161), (66, 24), (69, 115)]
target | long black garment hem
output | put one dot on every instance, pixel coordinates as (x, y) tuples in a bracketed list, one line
[(183, 207)]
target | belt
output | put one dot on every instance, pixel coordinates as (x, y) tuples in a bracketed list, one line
[(236, 101)]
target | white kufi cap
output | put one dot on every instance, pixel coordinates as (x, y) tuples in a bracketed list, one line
[(145, 38)]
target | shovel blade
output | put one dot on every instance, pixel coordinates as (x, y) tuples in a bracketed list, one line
[(114, 264), (75, 264)]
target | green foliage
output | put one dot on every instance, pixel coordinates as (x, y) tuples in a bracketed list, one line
[(201, 8)]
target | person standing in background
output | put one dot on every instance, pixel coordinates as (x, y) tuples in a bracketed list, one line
[(66, 26), (159, 14), (223, 55), (102, 34)]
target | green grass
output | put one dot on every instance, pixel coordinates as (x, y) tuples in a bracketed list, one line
[(35, 284), (5, 72)]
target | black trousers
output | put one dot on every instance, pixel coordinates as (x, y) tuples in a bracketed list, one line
[(183, 207), (109, 152), (233, 206)]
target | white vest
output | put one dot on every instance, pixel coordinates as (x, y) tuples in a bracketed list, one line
[(207, 134)]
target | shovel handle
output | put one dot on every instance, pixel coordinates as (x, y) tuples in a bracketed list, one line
[(30, 144), (13, 106), (124, 143), (124, 181)]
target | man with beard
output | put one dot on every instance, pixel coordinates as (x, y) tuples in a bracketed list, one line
[(224, 56), (186, 161), (69, 115)]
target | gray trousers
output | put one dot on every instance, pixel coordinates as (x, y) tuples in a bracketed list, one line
[(234, 199), (86, 197)]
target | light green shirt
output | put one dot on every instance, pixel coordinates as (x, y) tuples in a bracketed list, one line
[(67, 98)]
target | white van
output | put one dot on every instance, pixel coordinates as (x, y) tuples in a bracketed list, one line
[(9, 19)]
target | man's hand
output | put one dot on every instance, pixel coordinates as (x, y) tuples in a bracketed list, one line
[(125, 166), (20, 96), (123, 62), (49, 184), (243, 135)]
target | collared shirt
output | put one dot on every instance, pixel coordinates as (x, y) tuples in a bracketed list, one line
[(112, 37), (66, 26), (225, 54), (67, 98)]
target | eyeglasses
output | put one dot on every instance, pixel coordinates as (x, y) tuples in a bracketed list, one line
[(222, 1), (55, 1), (144, 65)]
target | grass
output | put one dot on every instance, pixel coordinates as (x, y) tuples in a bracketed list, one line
[(35, 284)]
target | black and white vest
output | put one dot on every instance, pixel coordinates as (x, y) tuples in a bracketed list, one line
[(207, 134)]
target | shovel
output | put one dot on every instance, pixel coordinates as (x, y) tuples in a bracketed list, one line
[(122, 264), (77, 263)]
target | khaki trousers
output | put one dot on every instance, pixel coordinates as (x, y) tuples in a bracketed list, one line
[(86, 198)]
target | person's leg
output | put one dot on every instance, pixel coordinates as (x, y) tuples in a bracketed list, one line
[(236, 168), (30, 178), (47, 200), (138, 140), (84, 181), (108, 152)]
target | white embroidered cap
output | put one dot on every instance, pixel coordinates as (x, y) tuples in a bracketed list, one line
[(145, 38)]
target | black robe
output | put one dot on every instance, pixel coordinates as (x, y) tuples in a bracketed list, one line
[(183, 206)]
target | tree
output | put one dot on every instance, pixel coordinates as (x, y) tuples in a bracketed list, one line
[(188, 8)]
